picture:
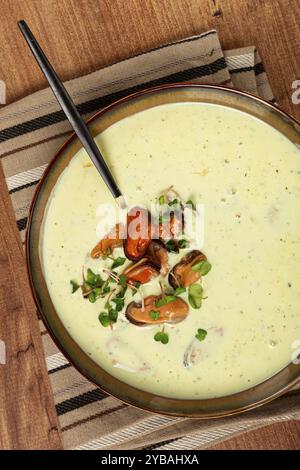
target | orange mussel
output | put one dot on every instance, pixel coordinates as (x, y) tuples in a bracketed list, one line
[(182, 274), (138, 233), (172, 312), (112, 240), (141, 272)]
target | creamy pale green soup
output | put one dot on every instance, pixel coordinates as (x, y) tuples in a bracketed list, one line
[(247, 175)]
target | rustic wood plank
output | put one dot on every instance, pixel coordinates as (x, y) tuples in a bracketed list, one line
[(27, 414), (81, 37), (281, 436)]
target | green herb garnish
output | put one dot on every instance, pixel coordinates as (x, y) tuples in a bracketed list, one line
[(195, 295), (191, 203), (172, 203), (202, 267), (105, 288), (182, 243), (154, 314), (137, 285), (201, 334), (161, 199), (113, 314), (104, 319), (119, 301), (172, 246), (179, 290), (122, 280), (91, 278), (74, 286), (118, 262), (162, 337), (92, 297), (107, 254), (122, 292), (165, 300)]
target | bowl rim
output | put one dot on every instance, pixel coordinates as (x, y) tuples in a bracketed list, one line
[(60, 346)]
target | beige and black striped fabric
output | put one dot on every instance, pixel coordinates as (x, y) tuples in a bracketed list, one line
[(31, 130)]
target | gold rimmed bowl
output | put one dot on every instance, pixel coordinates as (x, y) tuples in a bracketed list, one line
[(177, 93)]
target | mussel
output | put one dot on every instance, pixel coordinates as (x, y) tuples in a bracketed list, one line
[(141, 272), (171, 312), (158, 255), (182, 274), (112, 240), (138, 233)]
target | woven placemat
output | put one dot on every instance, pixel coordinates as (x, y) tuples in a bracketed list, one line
[(31, 130)]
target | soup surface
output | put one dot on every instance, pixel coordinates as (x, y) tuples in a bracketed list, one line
[(247, 176)]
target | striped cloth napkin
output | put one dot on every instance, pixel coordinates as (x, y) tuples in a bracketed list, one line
[(31, 130)]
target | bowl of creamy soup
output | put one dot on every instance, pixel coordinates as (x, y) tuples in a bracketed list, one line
[(187, 301)]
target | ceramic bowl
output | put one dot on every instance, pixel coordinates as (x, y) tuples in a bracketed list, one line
[(177, 93)]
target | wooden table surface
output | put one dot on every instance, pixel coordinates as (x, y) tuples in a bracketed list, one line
[(81, 36)]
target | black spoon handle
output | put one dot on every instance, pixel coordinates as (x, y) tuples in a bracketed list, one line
[(70, 110)]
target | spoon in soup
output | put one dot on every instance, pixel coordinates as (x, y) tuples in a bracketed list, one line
[(72, 114)]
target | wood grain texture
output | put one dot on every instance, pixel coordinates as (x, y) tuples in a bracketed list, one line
[(281, 436), (27, 414), (81, 36)]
